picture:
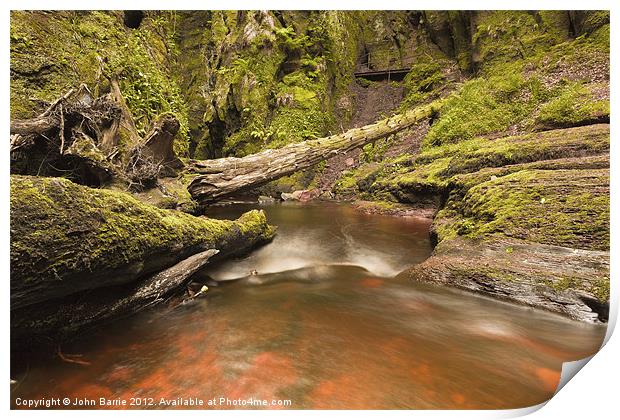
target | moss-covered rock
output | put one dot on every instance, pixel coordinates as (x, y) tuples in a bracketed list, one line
[(264, 79), (563, 207), (66, 238), (434, 168), (533, 72), (550, 187), (523, 218)]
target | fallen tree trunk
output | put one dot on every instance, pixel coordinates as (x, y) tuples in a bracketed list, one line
[(86, 310), (67, 238), (220, 178)]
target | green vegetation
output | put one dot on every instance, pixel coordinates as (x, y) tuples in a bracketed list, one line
[(509, 100), (54, 52), (423, 82), (349, 182), (50, 215), (532, 73), (434, 168), (531, 76), (558, 207), (280, 87), (516, 155), (575, 105), (483, 106)]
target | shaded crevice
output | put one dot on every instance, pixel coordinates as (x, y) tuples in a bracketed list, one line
[(133, 18), (600, 308)]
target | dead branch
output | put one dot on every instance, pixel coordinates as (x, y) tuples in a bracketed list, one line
[(62, 130), (72, 358)]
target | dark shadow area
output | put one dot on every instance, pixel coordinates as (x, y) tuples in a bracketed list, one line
[(133, 18)]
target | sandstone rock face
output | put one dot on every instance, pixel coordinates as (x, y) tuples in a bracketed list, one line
[(569, 281)]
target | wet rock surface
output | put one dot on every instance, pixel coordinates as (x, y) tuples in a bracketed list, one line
[(572, 282)]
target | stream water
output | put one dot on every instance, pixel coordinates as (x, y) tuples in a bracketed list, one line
[(322, 323)]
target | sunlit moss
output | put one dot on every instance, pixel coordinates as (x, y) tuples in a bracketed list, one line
[(575, 105), (561, 207)]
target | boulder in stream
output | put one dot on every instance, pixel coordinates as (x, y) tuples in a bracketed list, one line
[(301, 195)]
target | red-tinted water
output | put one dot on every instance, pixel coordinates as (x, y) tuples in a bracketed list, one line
[(322, 325)]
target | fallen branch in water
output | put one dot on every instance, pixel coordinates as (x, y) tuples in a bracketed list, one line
[(72, 358)]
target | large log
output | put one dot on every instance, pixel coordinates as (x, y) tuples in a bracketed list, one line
[(220, 178), (63, 318), (67, 238)]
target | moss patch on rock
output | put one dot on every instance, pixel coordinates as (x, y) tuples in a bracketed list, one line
[(434, 168), (558, 207), (66, 237), (532, 73), (273, 79)]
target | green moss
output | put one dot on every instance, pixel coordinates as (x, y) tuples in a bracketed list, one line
[(600, 288), (435, 168), (597, 286), (53, 52), (274, 80), (508, 35), (561, 207), (470, 156), (519, 80), (300, 180), (423, 82), (430, 175), (148, 86), (575, 105), (350, 181), (485, 105), (375, 151), (377, 206), (59, 228)]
